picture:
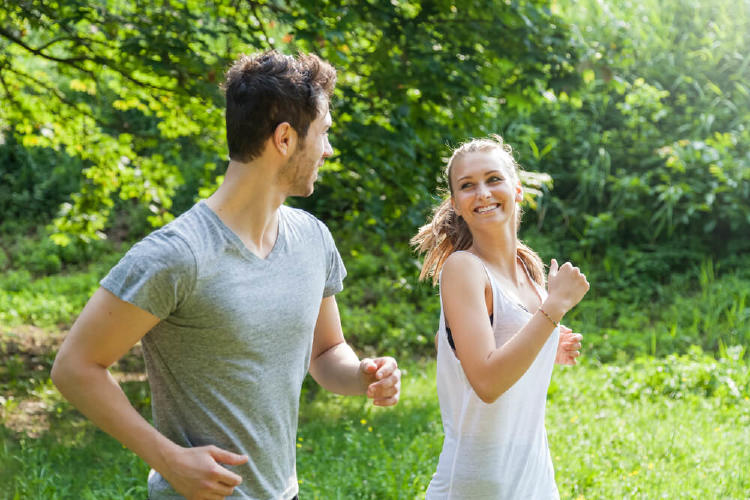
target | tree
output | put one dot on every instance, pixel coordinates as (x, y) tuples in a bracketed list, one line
[(131, 90)]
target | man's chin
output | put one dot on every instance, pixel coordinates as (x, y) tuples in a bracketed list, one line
[(303, 193)]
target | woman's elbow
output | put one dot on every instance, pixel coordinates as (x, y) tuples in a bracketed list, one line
[(488, 394)]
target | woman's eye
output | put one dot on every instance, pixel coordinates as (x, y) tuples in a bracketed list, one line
[(495, 178), (466, 185)]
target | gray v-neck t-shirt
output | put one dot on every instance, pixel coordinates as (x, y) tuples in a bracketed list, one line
[(227, 360)]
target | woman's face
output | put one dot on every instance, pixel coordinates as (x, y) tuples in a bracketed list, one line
[(485, 190)]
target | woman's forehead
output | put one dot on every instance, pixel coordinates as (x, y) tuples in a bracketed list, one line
[(479, 162)]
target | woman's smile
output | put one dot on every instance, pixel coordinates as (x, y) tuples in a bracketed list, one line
[(487, 208)]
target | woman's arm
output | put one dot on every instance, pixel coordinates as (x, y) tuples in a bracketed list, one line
[(493, 370)]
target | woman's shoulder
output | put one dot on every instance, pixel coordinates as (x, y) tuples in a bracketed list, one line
[(463, 265)]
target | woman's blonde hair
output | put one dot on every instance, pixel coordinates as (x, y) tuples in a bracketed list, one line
[(447, 231)]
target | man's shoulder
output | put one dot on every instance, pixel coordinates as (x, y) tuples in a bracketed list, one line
[(300, 216), (303, 220), (180, 239), (304, 228)]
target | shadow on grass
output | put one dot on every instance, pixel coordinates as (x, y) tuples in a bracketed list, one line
[(347, 448), (53, 452), (49, 450)]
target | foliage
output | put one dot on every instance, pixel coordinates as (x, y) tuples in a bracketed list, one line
[(383, 308), (130, 91), (49, 301), (705, 307), (653, 150), (33, 183), (648, 158), (393, 117)]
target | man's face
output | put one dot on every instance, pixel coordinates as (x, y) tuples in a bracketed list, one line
[(301, 170)]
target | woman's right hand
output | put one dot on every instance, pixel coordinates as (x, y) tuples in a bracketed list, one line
[(566, 286)]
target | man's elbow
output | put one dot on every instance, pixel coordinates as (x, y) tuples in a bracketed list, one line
[(60, 371), (66, 372)]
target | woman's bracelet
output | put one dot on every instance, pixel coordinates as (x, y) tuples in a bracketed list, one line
[(556, 323)]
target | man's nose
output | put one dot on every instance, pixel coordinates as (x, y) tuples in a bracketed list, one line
[(327, 150)]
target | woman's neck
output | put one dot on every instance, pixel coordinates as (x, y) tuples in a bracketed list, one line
[(499, 251)]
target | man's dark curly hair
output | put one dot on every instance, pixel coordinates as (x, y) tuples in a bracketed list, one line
[(264, 90)]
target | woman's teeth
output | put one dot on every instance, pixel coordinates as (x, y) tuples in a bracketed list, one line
[(487, 209)]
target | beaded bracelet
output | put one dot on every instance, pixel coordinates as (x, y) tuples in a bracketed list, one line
[(556, 323)]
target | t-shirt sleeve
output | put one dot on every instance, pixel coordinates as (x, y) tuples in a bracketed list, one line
[(155, 275), (335, 272)]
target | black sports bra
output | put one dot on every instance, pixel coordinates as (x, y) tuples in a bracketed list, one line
[(450, 335)]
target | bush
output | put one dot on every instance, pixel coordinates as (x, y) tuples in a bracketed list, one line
[(33, 183), (644, 155), (384, 310), (39, 254), (4, 260), (701, 307)]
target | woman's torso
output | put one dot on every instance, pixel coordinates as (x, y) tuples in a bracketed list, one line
[(496, 450)]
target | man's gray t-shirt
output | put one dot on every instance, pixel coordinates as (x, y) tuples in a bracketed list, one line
[(227, 360)]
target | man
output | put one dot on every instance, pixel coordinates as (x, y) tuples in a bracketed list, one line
[(233, 302)]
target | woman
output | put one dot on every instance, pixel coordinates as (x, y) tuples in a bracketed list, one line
[(499, 331)]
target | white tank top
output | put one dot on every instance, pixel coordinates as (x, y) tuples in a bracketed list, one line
[(497, 450)]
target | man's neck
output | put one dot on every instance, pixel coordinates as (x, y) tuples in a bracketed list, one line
[(248, 202)]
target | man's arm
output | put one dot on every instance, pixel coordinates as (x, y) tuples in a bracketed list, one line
[(335, 366), (105, 330)]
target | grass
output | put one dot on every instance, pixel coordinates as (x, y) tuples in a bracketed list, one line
[(648, 414), (654, 428), (702, 308), (633, 432)]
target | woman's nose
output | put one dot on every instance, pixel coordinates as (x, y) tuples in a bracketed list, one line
[(482, 191)]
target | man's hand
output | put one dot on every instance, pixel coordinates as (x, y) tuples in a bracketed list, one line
[(383, 379), (569, 347), (197, 474)]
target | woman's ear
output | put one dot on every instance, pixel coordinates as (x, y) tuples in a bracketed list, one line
[(453, 206), (519, 192)]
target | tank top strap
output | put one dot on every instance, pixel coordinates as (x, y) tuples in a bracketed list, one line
[(486, 271), (541, 292), (493, 284)]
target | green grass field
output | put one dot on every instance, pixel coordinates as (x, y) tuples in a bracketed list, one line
[(669, 428), (645, 415)]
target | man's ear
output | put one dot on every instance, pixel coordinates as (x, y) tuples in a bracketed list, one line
[(284, 139)]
